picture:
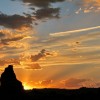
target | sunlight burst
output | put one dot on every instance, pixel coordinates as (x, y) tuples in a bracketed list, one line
[(27, 87)]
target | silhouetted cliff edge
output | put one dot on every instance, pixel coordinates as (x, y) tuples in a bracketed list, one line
[(12, 89)]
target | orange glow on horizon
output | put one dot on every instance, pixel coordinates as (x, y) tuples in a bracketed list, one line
[(27, 87)]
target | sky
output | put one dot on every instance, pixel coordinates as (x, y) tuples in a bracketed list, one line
[(51, 43)]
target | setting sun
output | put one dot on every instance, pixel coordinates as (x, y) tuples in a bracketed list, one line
[(27, 87)]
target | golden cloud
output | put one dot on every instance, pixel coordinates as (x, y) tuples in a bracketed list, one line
[(79, 82), (86, 6), (16, 38), (25, 60)]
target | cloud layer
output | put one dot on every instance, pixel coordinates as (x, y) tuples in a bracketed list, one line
[(27, 61)]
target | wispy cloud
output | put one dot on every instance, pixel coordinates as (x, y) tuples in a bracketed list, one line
[(74, 31), (74, 83), (26, 60), (9, 38), (70, 83), (44, 83), (85, 6), (79, 82)]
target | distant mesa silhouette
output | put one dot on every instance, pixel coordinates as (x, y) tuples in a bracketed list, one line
[(9, 82)]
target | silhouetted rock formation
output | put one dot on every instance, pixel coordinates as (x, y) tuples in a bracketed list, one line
[(9, 83), (12, 89)]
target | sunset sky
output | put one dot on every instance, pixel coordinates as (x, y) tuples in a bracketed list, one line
[(51, 43)]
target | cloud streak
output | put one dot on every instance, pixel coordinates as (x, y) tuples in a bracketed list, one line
[(73, 31)]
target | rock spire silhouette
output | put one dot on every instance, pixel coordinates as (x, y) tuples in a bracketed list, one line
[(9, 82)]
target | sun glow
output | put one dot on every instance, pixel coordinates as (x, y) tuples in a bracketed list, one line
[(27, 87)]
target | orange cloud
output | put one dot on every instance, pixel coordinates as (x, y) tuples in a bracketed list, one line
[(79, 82), (27, 60), (16, 38), (4, 62), (2, 55), (44, 84), (86, 6), (33, 66), (72, 83), (91, 5), (94, 2)]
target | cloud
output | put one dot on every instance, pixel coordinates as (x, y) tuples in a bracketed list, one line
[(45, 82), (75, 82), (13, 43), (86, 6), (4, 62), (33, 66), (72, 83), (38, 56), (95, 3), (2, 55), (33, 61), (40, 84), (79, 82), (17, 62), (43, 53), (41, 3), (47, 13), (45, 9), (2, 35), (10, 38), (5, 41), (15, 21), (26, 61), (73, 31)]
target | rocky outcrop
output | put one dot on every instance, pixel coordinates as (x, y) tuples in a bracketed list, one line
[(9, 82)]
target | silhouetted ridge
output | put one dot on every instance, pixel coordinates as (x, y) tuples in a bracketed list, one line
[(9, 83)]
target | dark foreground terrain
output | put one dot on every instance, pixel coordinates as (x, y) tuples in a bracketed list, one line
[(12, 89), (52, 94), (62, 94)]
